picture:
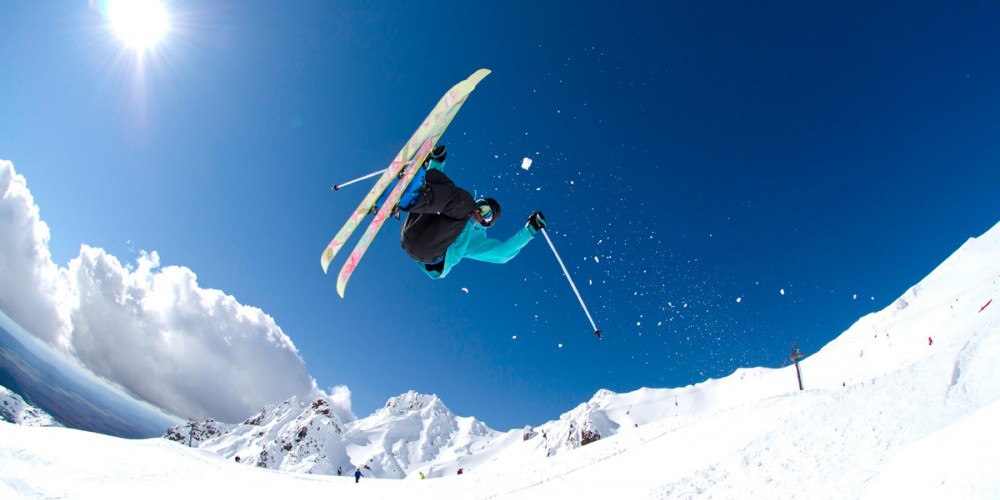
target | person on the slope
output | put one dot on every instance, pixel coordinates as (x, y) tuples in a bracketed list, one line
[(358, 475), (445, 224)]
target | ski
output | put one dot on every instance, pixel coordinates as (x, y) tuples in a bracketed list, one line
[(393, 199), (438, 119), (365, 207), (383, 213)]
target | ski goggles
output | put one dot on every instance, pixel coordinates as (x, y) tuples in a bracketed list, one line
[(486, 214)]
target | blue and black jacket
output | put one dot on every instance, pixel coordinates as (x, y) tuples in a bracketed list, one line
[(439, 230)]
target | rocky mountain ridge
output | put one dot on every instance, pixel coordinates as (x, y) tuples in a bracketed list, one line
[(410, 434), (15, 410)]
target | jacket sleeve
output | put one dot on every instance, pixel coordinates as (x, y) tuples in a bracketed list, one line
[(487, 249)]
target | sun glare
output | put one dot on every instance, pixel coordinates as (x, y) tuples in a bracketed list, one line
[(140, 24)]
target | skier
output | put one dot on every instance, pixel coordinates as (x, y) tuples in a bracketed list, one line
[(445, 224), (358, 475)]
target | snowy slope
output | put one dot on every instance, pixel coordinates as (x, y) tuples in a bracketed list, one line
[(416, 433), (885, 413), (292, 436), (13, 409)]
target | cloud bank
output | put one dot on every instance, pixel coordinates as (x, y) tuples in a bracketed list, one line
[(195, 352)]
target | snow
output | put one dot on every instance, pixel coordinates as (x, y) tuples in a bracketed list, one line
[(15, 410), (526, 163), (928, 465), (883, 415)]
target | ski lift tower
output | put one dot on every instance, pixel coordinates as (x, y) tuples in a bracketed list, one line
[(796, 356)]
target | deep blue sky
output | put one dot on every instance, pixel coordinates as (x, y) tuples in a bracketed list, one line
[(694, 160)]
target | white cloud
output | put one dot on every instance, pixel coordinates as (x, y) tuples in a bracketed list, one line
[(30, 288), (340, 397), (194, 352)]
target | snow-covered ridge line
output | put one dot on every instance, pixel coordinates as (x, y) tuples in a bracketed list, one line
[(15, 410), (416, 433), (886, 415)]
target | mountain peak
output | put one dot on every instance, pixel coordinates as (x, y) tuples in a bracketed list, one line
[(409, 402), (412, 431)]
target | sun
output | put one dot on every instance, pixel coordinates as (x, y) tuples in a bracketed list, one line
[(139, 24)]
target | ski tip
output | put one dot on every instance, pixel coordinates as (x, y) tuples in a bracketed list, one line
[(341, 284), (478, 76)]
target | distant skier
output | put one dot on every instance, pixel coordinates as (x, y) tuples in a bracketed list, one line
[(445, 224), (358, 475)]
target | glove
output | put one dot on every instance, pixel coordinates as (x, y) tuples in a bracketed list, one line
[(438, 154), (536, 221)]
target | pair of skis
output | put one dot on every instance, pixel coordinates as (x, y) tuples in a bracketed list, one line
[(418, 148)]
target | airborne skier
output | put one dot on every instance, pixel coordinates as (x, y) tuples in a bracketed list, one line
[(445, 224)]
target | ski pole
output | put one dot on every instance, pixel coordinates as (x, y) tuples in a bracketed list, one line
[(336, 187), (571, 284)]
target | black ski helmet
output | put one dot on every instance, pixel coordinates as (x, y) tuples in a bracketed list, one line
[(488, 210)]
